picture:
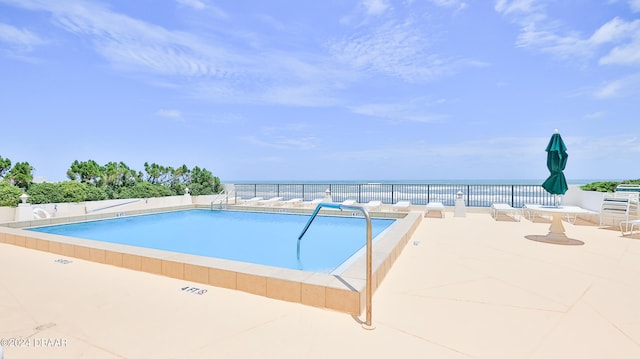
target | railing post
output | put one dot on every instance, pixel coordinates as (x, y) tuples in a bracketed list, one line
[(369, 271)]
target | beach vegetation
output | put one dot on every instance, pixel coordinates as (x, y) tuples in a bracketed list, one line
[(9, 194), (90, 181), (67, 191), (21, 175), (5, 166), (146, 190), (606, 186)]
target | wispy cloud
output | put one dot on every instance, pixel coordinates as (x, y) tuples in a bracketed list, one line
[(133, 44), (595, 115), (375, 7), (634, 5), (19, 43), (609, 147), (204, 67), (24, 39), (615, 42), (172, 114), (396, 49), (410, 111), (457, 4), (203, 6), (285, 136), (196, 4), (627, 86), (517, 7), (283, 143)]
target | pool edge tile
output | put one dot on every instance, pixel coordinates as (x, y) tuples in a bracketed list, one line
[(251, 283), (173, 269), (282, 289), (223, 278), (196, 273), (151, 265)]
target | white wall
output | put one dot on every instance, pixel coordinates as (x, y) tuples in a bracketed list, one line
[(9, 214)]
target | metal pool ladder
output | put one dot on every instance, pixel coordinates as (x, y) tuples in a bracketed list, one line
[(369, 289)]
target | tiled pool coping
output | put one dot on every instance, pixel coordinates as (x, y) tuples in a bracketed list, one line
[(344, 292)]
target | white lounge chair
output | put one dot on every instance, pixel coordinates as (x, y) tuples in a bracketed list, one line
[(435, 207), (293, 202), (506, 208), (349, 202), (250, 200), (314, 203), (373, 205), (629, 225), (615, 207), (271, 201), (402, 206)]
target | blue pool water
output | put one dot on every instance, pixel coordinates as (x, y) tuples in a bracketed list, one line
[(262, 238)]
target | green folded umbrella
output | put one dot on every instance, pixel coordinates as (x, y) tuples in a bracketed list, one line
[(556, 162)]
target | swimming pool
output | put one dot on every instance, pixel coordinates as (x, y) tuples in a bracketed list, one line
[(260, 238), (342, 290)]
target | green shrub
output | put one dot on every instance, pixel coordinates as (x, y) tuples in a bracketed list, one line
[(45, 193), (145, 190), (636, 181), (9, 194), (607, 186), (94, 193)]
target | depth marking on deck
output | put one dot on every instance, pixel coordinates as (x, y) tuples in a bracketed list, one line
[(194, 290)]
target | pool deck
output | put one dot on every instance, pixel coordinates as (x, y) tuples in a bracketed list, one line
[(464, 287)]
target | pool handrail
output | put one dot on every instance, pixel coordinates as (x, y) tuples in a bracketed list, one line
[(369, 289)]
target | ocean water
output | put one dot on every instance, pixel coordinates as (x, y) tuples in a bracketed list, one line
[(476, 193), (445, 181)]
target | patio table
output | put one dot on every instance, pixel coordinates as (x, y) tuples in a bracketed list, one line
[(556, 229)]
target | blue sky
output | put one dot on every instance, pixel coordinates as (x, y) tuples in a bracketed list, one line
[(323, 90)]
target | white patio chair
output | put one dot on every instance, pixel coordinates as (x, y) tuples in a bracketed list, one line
[(402, 206)]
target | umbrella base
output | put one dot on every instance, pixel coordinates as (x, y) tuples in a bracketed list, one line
[(556, 229), (556, 233)]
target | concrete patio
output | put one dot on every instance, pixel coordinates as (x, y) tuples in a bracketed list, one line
[(469, 287)]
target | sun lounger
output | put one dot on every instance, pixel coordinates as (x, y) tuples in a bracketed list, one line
[(271, 201), (402, 206), (349, 202), (629, 225), (293, 202), (373, 205), (251, 200), (615, 207), (496, 208), (436, 207), (314, 203)]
